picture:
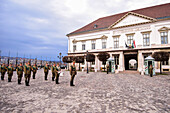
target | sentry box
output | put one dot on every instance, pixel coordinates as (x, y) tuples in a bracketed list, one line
[(111, 64), (148, 61)]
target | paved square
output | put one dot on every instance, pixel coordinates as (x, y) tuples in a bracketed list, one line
[(94, 93)]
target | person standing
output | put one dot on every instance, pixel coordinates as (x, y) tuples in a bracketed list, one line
[(27, 71), (20, 70), (34, 68), (3, 71), (10, 70), (53, 71), (46, 69), (151, 70), (73, 72), (57, 74)]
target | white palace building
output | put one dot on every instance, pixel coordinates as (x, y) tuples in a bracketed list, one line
[(149, 28)]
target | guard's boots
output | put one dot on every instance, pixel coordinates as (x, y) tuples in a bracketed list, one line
[(56, 81), (25, 83), (28, 84), (52, 78), (9, 79), (19, 81), (33, 76), (71, 83), (46, 77)]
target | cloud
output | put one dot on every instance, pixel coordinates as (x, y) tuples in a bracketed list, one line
[(40, 26)]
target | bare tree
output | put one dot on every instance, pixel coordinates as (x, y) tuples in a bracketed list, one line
[(79, 59), (68, 59), (103, 57)]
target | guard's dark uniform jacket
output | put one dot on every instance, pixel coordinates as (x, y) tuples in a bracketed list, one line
[(27, 71), (73, 72), (10, 70), (20, 70)]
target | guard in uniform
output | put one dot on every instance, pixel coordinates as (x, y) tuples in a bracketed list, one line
[(34, 70), (57, 74), (53, 68), (10, 70), (3, 71), (20, 70), (73, 72), (151, 70), (27, 71), (46, 69), (107, 66)]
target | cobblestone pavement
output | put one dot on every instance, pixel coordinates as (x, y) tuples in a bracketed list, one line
[(94, 93)]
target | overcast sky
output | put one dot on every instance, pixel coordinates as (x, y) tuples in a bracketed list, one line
[(39, 27)]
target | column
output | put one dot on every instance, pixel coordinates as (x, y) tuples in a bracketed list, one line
[(121, 62), (96, 63), (140, 61)]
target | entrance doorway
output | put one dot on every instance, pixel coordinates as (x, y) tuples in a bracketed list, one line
[(131, 62)]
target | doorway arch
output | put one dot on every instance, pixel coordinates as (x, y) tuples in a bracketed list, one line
[(131, 62)]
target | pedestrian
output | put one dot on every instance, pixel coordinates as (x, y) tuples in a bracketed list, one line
[(46, 69), (57, 74), (27, 71), (107, 66), (151, 70), (3, 70), (53, 71), (20, 70), (34, 68), (10, 70), (73, 72)]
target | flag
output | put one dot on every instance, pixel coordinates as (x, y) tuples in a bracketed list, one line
[(133, 44), (126, 45)]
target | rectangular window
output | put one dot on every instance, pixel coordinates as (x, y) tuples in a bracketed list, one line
[(93, 63), (164, 37), (83, 46), (165, 62), (146, 41), (74, 47), (116, 42), (104, 43), (129, 39), (93, 44)]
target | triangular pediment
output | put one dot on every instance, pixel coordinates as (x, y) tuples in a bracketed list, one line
[(132, 19)]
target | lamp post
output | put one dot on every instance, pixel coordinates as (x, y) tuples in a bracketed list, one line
[(87, 62), (30, 59), (17, 59), (41, 62), (0, 57), (24, 60), (60, 58), (8, 58)]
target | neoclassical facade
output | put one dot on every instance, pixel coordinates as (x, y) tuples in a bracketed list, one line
[(147, 29)]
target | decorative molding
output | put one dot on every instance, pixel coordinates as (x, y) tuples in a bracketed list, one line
[(130, 34), (164, 29), (146, 32), (102, 37), (74, 41), (116, 36), (135, 14)]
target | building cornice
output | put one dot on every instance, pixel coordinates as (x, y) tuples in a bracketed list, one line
[(124, 50), (102, 37)]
